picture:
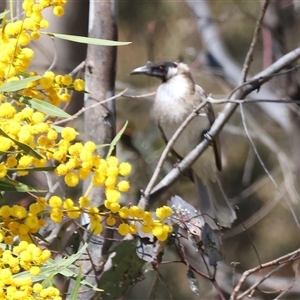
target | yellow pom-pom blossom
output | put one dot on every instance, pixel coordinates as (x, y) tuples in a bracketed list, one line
[(132, 229), (11, 161), (124, 212), (124, 169), (71, 179), (112, 161), (123, 186), (7, 110), (84, 201), (110, 221), (34, 270), (136, 212), (3, 170), (74, 213), (112, 195), (114, 207), (66, 80), (79, 84), (69, 134), (22, 257), (84, 173), (18, 211), (58, 11), (56, 215), (55, 202), (123, 229), (68, 204), (164, 212), (161, 231)]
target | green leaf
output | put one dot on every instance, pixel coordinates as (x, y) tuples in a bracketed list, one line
[(102, 146), (14, 86), (48, 108), (86, 40), (9, 185), (32, 169), (48, 281), (27, 149), (70, 274), (125, 269), (3, 14), (3, 18), (74, 294), (53, 267), (1, 199), (116, 139), (59, 129)]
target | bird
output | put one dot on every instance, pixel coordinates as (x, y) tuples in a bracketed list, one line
[(176, 98)]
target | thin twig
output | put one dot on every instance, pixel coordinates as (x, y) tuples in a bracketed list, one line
[(287, 289), (256, 284), (265, 168), (247, 101), (249, 57), (259, 215), (280, 260), (55, 54), (140, 96), (82, 110), (78, 68)]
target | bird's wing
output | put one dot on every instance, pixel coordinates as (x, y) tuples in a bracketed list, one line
[(200, 94)]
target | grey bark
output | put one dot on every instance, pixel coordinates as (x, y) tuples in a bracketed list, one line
[(99, 122)]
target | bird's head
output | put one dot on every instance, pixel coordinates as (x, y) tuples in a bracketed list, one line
[(164, 71)]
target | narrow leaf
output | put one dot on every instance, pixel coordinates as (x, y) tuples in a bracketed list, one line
[(48, 281), (27, 149), (3, 14), (116, 139), (74, 294), (32, 169), (70, 274), (48, 108), (10, 185), (1, 199), (86, 40), (59, 129), (52, 267), (14, 86), (102, 146)]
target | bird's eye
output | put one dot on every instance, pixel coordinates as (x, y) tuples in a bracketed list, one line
[(161, 68)]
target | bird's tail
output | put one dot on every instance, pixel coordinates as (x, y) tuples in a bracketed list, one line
[(214, 203)]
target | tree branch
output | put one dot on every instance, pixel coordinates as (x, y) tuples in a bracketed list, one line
[(240, 93)]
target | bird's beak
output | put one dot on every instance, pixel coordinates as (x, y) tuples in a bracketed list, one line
[(146, 69), (141, 70)]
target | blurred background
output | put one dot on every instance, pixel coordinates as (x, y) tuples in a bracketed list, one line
[(160, 30)]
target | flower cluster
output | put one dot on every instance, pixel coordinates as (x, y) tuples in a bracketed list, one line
[(17, 221), (158, 227), (28, 140), (52, 88), (16, 55), (24, 257), (15, 36), (33, 8)]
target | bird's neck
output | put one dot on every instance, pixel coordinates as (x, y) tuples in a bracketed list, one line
[(171, 103)]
